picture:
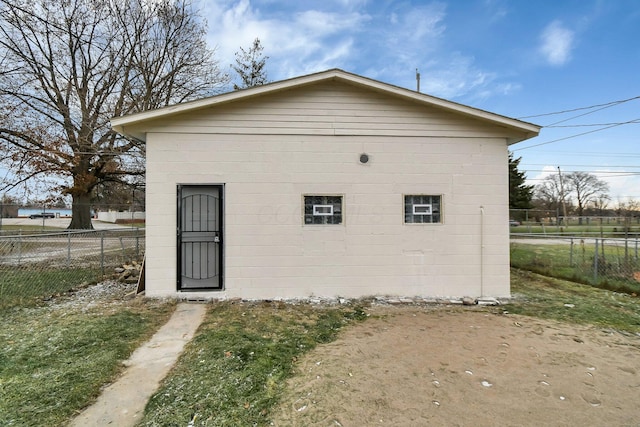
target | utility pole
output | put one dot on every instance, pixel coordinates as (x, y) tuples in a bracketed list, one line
[(564, 206)]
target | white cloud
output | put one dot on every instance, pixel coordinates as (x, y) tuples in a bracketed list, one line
[(382, 42), (414, 28), (556, 43), (296, 42), (545, 172), (323, 61), (622, 187), (455, 75), (416, 37), (317, 25), (497, 9), (352, 4)]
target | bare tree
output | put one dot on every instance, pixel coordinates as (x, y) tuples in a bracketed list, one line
[(250, 66), (67, 67), (628, 208), (548, 194), (601, 202), (586, 188)]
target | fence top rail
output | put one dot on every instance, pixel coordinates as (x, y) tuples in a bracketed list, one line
[(544, 236), (516, 236), (65, 233)]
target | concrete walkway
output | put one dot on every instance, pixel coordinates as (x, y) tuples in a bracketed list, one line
[(122, 403)]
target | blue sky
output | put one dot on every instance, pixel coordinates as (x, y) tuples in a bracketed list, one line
[(517, 58)]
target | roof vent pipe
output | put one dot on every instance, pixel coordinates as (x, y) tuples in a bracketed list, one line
[(417, 81)]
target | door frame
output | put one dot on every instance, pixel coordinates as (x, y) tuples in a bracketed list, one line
[(220, 213)]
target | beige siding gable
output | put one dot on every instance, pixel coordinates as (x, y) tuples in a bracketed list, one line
[(327, 108)]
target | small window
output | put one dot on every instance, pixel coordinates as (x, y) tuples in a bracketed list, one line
[(323, 209), (421, 209)]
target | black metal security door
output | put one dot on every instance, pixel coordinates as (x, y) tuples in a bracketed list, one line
[(200, 237)]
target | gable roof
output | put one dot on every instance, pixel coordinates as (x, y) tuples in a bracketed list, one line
[(120, 124)]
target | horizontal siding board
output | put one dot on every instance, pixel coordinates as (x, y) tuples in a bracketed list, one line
[(328, 109), (333, 130)]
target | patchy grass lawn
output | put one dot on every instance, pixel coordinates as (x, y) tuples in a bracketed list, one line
[(550, 298), (234, 371), (55, 359), (575, 263)]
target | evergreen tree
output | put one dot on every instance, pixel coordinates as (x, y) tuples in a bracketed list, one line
[(520, 195), (250, 66)]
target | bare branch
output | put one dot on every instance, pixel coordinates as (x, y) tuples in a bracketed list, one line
[(68, 67)]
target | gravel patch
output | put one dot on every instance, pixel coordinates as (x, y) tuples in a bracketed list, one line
[(103, 295)]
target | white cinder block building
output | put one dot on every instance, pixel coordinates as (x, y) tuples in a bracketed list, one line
[(328, 185)]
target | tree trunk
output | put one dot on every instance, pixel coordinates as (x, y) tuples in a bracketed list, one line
[(81, 213), (580, 213)]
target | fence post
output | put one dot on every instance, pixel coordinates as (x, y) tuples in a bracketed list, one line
[(626, 251), (68, 248), (595, 265), (124, 253), (19, 246), (102, 253), (571, 254), (137, 244)]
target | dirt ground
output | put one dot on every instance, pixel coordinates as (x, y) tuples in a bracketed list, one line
[(419, 366)]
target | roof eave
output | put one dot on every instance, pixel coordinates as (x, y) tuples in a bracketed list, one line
[(532, 134), (123, 130)]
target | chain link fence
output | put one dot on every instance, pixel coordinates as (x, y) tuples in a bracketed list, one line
[(612, 263), (41, 263), (38, 263)]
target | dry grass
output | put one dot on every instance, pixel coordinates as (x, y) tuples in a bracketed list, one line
[(55, 357), (557, 299), (234, 371)]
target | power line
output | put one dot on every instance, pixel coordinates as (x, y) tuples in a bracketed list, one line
[(593, 124), (599, 154), (579, 115), (584, 166), (579, 134), (612, 173), (615, 174), (612, 103)]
